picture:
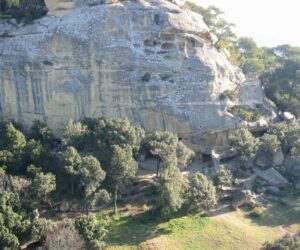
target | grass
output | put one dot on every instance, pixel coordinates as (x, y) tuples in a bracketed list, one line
[(228, 231), (245, 229)]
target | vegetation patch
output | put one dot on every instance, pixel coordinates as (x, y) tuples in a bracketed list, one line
[(245, 113)]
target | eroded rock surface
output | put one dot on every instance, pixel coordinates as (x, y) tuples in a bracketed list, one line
[(150, 61)]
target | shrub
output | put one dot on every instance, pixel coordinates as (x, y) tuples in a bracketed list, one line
[(269, 144), (229, 94), (222, 177), (287, 242)]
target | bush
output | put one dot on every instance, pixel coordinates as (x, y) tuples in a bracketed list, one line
[(222, 177), (63, 236), (245, 113), (244, 144), (228, 94), (287, 242), (269, 144)]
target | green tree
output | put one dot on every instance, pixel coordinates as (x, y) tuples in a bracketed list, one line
[(222, 177), (164, 144), (201, 192), (71, 162), (288, 134), (91, 175), (12, 139), (244, 144), (171, 190), (76, 135), (94, 234), (269, 144), (123, 169), (40, 132), (42, 185)]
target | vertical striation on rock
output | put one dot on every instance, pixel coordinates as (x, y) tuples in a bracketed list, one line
[(150, 61)]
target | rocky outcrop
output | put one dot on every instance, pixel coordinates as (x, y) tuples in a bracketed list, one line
[(273, 178), (150, 61)]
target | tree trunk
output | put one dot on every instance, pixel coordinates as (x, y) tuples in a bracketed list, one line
[(115, 201)]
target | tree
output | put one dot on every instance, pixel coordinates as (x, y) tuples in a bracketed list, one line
[(40, 132), (91, 175), (282, 85), (12, 139), (244, 144), (13, 224), (71, 161), (92, 233), (164, 144), (287, 242), (123, 169), (75, 135), (171, 190), (212, 16), (222, 177), (42, 185), (109, 133), (201, 192)]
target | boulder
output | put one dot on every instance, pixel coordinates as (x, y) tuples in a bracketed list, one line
[(243, 197), (272, 190), (278, 158), (64, 206), (297, 185), (287, 116), (273, 177)]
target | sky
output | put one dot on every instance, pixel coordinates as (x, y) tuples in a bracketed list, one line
[(268, 22)]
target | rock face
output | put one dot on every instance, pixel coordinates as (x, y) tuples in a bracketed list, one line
[(273, 177), (150, 61)]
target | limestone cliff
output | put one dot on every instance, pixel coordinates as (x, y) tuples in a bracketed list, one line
[(150, 61)]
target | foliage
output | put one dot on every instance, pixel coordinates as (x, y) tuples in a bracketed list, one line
[(171, 188), (287, 242), (12, 139), (212, 16), (269, 144), (42, 185), (288, 134), (201, 192), (92, 233), (228, 94), (245, 113), (163, 144), (40, 132), (244, 144), (282, 85), (123, 169), (222, 177), (24, 10), (75, 135)]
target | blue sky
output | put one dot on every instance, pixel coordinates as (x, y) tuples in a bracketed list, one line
[(269, 22)]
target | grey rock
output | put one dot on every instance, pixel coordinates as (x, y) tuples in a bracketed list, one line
[(273, 177), (64, 206), (287, 116), (273, 190), (278, 158), (92, 63), (297, 185), (243, 197)]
